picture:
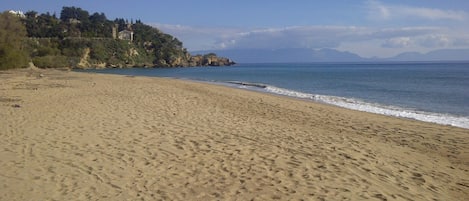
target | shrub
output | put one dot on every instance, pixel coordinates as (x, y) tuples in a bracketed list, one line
[(12, 37), (51, 61)]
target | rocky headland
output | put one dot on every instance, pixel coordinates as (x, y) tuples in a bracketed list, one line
[(80, 40)]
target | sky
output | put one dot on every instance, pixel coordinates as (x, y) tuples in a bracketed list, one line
[(369, 28)]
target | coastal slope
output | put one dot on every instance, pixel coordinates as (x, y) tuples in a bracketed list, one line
[(82, 136)]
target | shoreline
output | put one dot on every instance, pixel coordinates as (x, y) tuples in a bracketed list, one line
[(74, 135), (353, 103)]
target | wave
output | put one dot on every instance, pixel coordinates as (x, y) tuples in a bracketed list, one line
[(360, 105)]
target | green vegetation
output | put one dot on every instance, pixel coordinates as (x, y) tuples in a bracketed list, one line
[(12, 36), (80, 40)]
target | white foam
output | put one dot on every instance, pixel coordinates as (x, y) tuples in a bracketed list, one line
[(355, 104)]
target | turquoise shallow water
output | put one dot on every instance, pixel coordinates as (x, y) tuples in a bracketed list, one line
[(434, 92)]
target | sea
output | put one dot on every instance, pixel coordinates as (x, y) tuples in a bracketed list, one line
[(435, 92)]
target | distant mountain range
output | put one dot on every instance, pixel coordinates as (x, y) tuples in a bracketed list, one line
[(437, 55), (331, 55)]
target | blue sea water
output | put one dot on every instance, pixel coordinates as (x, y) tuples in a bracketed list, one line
[(432, 92)]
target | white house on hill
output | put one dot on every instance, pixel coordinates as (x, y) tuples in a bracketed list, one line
[(126, 35)]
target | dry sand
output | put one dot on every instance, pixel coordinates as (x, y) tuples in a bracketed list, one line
[(78, 136)]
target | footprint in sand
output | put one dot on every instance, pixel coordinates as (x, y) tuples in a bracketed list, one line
[(417, 177)]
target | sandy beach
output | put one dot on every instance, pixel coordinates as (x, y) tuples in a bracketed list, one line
[(82, 136)]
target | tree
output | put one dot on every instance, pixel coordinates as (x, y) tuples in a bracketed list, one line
[(99, 26), (42, 26), (69, 13), (62, 42), (12, 36), (98, 18), (122, 25)]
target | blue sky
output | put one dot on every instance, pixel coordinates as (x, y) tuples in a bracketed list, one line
[(369, 28)]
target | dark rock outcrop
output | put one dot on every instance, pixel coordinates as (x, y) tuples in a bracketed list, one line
[(210, 60)]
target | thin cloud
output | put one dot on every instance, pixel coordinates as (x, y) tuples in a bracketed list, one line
[(352, 38), (387, 33), (199, 38), (436, 41), (195, 30), (462, 41), (329, 37), (400, 42), (293, 37), (378, 10)]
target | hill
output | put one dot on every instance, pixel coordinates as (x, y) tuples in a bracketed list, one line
[(80, 40), (436, 55)]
